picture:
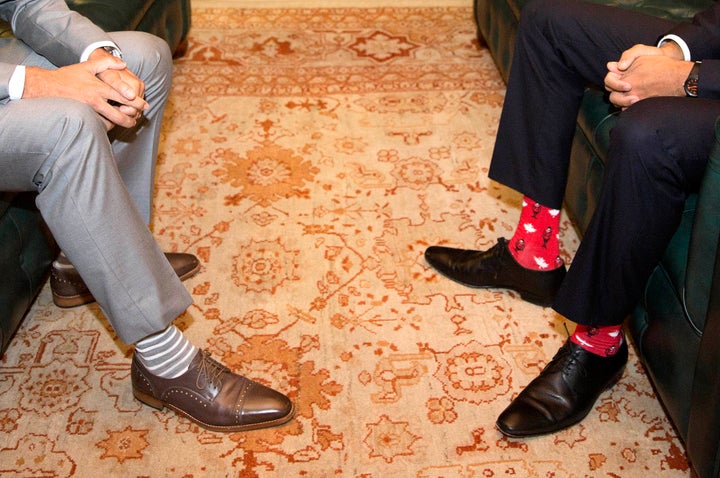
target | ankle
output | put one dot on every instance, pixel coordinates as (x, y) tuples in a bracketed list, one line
[(535, 263), (603, 341), (167, 354), (535, 244)]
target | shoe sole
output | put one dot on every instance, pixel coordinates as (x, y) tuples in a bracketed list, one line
[(160, 405), (611, 383), (531, 297), (70, 301)]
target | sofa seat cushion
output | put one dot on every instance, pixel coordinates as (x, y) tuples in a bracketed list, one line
[(25, 257)]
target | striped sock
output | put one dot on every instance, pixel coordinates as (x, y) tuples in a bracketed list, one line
[(166, 354)]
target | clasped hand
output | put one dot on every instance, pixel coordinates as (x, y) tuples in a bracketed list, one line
[(645, 71), (103, 82)]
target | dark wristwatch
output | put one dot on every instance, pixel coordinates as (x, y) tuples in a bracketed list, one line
[(691, 84)]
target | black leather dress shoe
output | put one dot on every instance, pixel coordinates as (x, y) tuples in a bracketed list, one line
[(69, 290), (564, 392), (496, 267)]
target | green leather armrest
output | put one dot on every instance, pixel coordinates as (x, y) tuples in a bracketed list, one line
[(704, 241), (704, 425), (704, 272)]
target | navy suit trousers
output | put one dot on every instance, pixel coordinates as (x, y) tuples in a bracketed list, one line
[(657, 156)]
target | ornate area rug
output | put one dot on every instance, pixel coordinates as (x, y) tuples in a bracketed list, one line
[(308, 158)]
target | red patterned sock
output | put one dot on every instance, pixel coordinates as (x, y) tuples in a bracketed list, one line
[(535, 244), (602, 341)]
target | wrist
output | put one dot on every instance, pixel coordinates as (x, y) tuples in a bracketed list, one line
[(99, 53), (99, 49), (672, 50), (673, 43), (35, 81)]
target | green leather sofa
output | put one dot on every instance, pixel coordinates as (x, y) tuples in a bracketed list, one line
[(26, 248), (676, 337)]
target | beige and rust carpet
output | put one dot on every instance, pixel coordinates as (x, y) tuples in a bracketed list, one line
[(308, 158)]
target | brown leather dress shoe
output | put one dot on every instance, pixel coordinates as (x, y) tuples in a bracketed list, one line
[(69, 290), (496, 267), (212, 396), (564, 392)]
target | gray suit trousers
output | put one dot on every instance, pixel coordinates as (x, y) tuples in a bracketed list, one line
[(95, 189)]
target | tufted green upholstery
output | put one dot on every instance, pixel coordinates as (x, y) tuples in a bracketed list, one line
[(668, 325), (26, 249)]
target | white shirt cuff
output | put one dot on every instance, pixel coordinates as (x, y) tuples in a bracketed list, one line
[(680, 42), (100, 44), (16, 86)]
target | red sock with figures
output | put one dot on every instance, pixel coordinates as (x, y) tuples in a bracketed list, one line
[(602, 341), (535, 244)]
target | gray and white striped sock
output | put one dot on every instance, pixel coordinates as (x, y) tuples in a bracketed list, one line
[(166, 354)]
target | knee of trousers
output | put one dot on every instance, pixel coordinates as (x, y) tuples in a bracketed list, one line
[(79, 137), (543, 14), (148, 56), (638, 146)]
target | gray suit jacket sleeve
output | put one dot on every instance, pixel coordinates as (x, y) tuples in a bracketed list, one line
[(51, 29)]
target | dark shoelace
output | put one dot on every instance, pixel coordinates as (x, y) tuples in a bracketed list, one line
[(209, 371)]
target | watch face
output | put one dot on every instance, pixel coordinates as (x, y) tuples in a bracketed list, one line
[(691, 84), (113, 51)]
